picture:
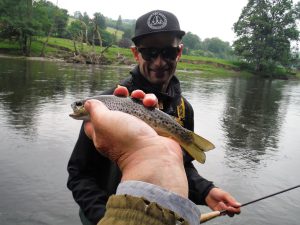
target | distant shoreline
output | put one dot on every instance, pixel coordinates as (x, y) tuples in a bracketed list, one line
[(33, 58), (44, 59)]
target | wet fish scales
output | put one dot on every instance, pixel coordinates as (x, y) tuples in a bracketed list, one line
[(164, 124), (152, 116)]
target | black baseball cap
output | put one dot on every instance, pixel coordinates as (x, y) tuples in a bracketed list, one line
[(156, 21)]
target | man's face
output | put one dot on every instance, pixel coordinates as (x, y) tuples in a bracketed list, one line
[(157, 56)]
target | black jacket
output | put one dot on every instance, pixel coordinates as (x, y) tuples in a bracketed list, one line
[(93, 177)]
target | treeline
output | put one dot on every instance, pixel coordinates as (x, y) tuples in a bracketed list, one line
[(267, 37), (209, 47), (23, 20), (267, 32)]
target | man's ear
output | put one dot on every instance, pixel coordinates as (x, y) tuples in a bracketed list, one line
[(135, 53), (180, 52)]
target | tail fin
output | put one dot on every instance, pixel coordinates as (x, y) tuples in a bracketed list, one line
[(197, 148), (202, 143)]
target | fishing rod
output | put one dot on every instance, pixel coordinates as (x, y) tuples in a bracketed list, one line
[(208, 216)]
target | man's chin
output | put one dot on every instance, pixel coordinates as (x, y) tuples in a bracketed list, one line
[(157, 80), (160, 77)]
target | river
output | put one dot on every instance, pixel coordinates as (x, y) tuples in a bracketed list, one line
[(254, 123)]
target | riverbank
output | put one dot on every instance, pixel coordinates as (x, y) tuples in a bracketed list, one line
[(59, 49), (33, 58), (180, 68)]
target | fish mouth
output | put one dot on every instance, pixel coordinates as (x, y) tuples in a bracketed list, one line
[(73, 115), (79, 111), (77, 105), (80, 116)]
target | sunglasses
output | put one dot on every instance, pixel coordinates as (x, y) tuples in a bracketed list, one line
[(169, 53)]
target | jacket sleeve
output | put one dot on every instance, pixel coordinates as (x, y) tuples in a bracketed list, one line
[(85, 176), (127, 209), (199, 187)]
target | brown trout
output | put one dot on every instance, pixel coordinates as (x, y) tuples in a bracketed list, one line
[(161, 122)]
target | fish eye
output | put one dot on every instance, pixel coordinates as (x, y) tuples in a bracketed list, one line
[(79, 104)]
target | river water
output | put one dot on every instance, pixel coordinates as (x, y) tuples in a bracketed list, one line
[(255, 125)]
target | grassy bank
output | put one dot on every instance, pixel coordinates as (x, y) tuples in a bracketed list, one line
[(64, 49)]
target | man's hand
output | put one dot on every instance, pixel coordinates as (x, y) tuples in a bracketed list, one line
[(219, 200), (139, 151), (149, 100)]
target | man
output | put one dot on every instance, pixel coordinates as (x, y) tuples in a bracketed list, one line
[(93, 177)]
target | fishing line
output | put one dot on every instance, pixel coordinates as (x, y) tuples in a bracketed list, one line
[(271, 195)]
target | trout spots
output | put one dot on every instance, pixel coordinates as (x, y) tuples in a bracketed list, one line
[(154, 117)]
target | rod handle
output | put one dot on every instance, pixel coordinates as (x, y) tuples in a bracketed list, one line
[(208, 216)]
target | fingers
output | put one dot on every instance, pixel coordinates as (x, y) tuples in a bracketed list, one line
[(149, 100), (232, 211), (220, 200), (89, 130), (121, 91), (88, 126), (227, 209), (99, 125), (138, 94), (232, 208)]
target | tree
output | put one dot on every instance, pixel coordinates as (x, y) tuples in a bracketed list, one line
[(191, 41), (85, 18), (20, 20), (127, 34), (76, 29), (100, 21), (51, 19), (219, 48), (77, 15), (118, 25), (125, 41), (264, 33), (61, 22), (17, 24)]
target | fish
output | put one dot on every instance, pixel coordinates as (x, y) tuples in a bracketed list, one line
[(162, 123)]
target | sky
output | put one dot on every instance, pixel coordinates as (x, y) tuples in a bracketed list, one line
[(205, 18)]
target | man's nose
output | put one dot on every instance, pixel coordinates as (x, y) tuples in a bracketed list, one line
[(159, 60)]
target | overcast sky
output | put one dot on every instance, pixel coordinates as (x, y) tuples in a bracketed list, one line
[(205, 18)]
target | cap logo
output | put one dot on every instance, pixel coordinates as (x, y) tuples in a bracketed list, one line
[(157, 21)]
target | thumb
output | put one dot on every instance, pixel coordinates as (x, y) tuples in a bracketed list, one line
[(98, 123), (98, 112), (94, 108)]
